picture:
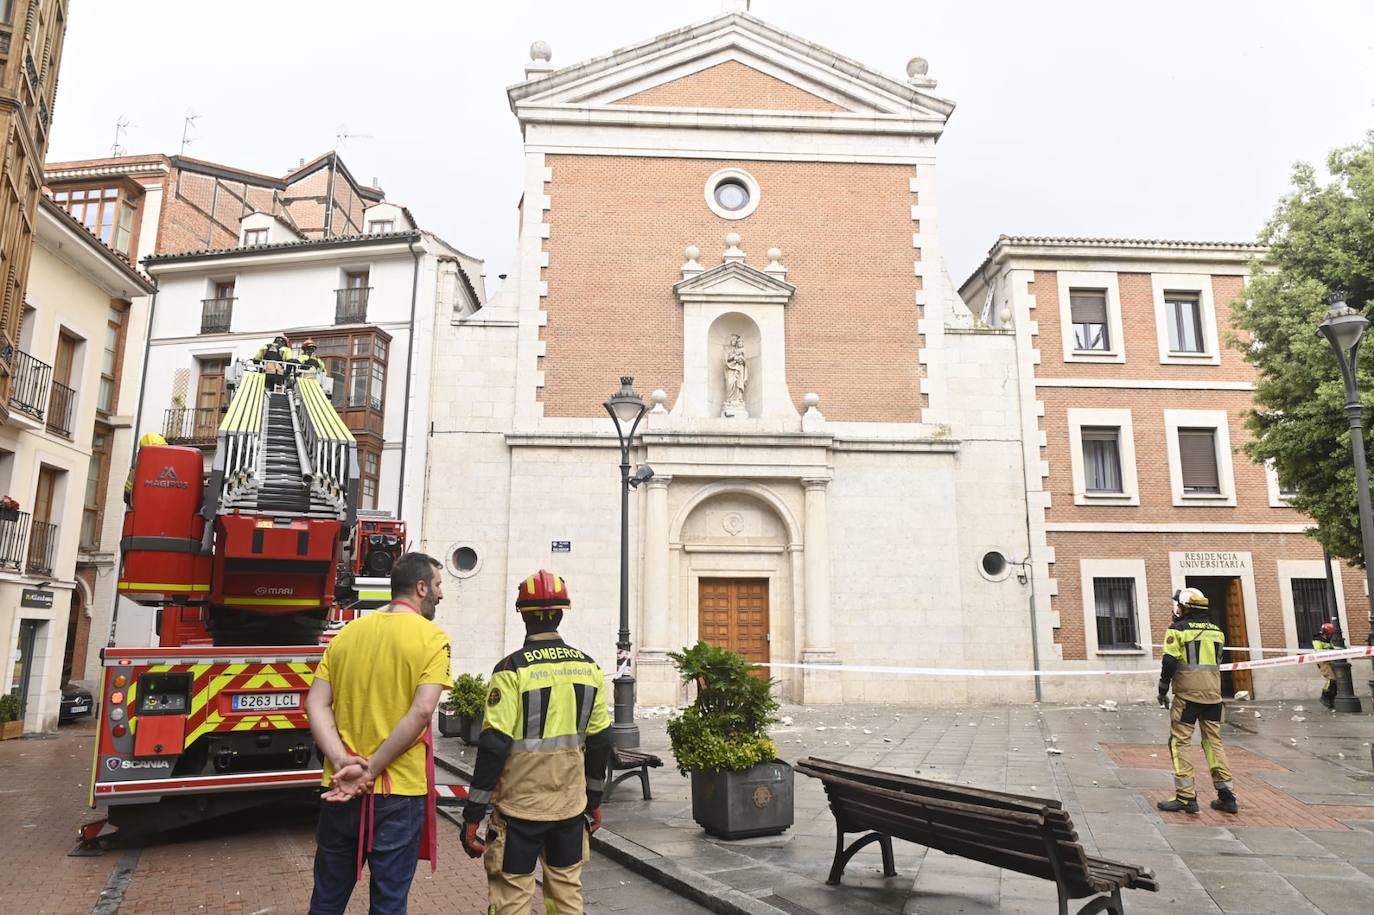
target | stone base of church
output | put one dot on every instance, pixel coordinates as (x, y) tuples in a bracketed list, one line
[(821, 687), (657, 680)]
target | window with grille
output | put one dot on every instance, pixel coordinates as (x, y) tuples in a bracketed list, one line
[(1197, 456), (1115, 598), (1310, 608), (1088, 308), (1184, 313), (1101, 459)]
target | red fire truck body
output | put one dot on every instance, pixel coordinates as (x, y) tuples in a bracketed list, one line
[(251, 571)]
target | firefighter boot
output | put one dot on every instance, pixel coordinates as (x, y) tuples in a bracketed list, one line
[(1226, 801), (1179, 805)]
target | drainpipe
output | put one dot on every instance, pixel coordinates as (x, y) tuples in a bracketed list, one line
[(1029, 565), (405, 406)]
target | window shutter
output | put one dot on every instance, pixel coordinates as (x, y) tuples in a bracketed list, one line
[(1088, 306), (1197, 454)]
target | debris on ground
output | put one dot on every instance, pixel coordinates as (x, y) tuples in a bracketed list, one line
[(1298, 718)]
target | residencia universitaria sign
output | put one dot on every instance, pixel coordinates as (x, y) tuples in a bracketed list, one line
[(1214, 562)]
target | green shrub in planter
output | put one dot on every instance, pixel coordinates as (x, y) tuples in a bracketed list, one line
[(460, 714), (721, 741), (9, 708)]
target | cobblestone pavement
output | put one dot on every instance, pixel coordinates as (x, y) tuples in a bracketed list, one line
[(253, 864), (1303, 842)]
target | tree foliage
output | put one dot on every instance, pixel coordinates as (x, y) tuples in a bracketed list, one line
[(1321, 238)]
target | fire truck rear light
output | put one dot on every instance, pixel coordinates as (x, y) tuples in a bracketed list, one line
[(118, 730), (121, 680), (116, 714), (117, 698)]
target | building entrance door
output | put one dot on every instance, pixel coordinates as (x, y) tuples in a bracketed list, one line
[(733, 614), (23, 663), (1227, 603)]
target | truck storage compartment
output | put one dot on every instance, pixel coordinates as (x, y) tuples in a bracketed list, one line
[(161, 546)]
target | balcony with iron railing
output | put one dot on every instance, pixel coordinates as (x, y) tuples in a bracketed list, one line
[(215, 315), (61, 406), (30, 383), (42, 547), (350, 305), (190, 425), (14, 529)]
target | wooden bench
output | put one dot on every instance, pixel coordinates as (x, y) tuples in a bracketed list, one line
[(638, 765), (1029, 835)]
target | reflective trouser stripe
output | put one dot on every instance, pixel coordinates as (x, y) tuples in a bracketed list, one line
[(479, 796), (596, 784)]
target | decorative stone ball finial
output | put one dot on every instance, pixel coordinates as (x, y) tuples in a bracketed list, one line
[(774, 254), (775, 262), (1005, 316), (659, 396), (541, 50), (733, 252), (917, 68), (811, 400), (692, 252), (733, 239)]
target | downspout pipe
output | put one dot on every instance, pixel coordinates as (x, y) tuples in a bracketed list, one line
[(410, 358)]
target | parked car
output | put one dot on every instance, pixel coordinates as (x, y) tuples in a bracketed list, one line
[(77, 702)]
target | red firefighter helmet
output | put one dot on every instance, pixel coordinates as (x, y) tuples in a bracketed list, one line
[(1328, 629), (542, 591)]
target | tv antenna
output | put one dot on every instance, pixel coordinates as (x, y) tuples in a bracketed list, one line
[(121, 127), (342, 135), (186, 125)]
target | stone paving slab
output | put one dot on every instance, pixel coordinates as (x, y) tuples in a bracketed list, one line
[(1303, 842)]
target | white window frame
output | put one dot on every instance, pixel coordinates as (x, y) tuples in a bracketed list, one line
[(1276, 497), (1115, 337), (372, 225), (263, 230), (1199, 284), (1226, 480), (1121, 419), (1089, 569), (1290, 569), (750, 183)]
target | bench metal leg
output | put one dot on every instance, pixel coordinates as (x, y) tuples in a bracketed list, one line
[(842, 854), (1110, 904), (640, 772)]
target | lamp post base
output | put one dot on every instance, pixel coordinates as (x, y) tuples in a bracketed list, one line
[(624, 731), (1345, 699)]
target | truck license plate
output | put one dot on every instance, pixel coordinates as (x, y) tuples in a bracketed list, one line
[(264, 702)]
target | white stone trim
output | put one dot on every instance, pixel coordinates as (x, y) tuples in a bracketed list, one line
[(1290, 569), (1158, 384), (1107, 280), (1178, 579), (1214, 419), (750, 183), (1271, 482), (1134, 569), (1133, 527), (1121, 420), (1201, 284)]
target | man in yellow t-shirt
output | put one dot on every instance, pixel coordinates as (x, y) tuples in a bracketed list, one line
[(372, 699)]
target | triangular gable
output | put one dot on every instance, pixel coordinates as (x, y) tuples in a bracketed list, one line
[(730, 84), (734, 281), (689, 67)]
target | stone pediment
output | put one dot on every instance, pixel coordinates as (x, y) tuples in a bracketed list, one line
[(734, 61), (734, 283)]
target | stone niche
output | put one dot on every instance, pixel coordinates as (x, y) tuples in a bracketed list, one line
[(723, 330)]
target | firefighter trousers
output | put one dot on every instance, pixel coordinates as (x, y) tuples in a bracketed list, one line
[(513, 846), (1183, 717)]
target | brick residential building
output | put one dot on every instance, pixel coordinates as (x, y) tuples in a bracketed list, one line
[(1133, 419)]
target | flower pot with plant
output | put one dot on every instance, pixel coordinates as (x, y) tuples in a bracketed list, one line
[(9, 509), (460, 715), (11, 725), (739, 786)]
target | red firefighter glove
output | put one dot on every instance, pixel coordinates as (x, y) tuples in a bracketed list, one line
[(471, 843), (592, 815)]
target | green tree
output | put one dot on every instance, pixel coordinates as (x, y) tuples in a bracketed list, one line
[(1320, 238)]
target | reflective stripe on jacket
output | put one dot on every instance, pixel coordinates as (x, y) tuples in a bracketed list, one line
[(1193, 645)]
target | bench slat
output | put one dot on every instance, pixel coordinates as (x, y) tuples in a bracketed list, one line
[(893, 781)]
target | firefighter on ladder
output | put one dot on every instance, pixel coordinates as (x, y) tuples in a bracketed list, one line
[(149, 438), (307, 360), (276, 360), (1191, 665), (547, 700)]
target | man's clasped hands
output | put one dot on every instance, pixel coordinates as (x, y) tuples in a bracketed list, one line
[(354, 776)]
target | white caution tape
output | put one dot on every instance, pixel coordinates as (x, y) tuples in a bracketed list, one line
[(1313, 658)]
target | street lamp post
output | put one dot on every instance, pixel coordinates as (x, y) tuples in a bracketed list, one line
[(626, 408), (1344, 328)]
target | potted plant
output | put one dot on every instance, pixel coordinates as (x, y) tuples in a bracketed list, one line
[(460, 715), (9, 509), (739, 786), (11, 725)]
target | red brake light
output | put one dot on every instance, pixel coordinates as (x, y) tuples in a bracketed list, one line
[(117, 730)]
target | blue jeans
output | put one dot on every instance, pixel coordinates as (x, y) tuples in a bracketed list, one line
[(399, 821)]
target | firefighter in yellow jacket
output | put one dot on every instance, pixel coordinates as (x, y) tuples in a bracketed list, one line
[(1191, 665), (1325, 640), (541, 761)]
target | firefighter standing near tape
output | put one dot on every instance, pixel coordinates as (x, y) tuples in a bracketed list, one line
[(1325, 640), (1191, 665), (547, 700)]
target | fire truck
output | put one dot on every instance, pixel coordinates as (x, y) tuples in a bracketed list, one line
[(251, 569)]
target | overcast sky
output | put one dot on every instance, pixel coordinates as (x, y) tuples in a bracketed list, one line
[(1159, 120)]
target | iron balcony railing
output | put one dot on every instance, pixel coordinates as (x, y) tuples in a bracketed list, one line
[(29, 385), (14, 527), (44, 119), (42, 545), (350, 305), (61, 402), (190, 425), (215, 315)]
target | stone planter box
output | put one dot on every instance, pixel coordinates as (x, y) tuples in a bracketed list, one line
[(736, 805), (11, 729), (465, 729)]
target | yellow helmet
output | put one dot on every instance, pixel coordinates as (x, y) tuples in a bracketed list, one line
[(152, 438)]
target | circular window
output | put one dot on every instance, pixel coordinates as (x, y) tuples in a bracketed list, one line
[(465, 561), (732, 193), (994, 565)]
